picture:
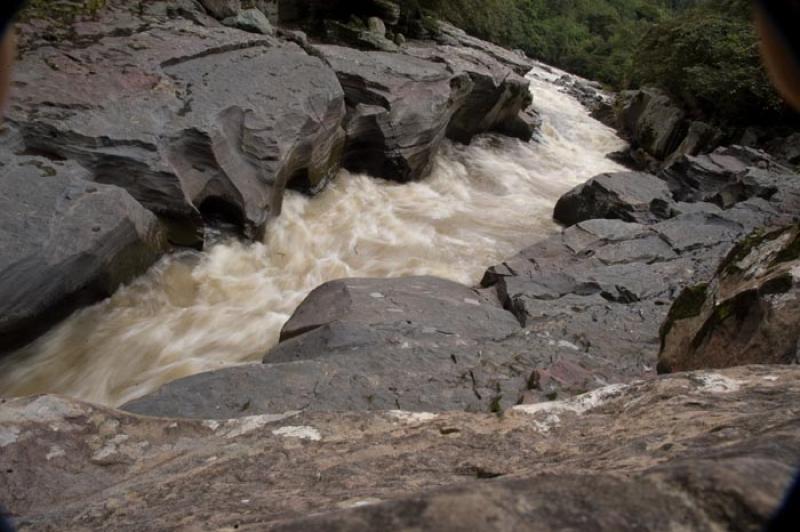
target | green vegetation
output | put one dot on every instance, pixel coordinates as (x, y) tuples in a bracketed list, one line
[(704, 53), (708, 59)]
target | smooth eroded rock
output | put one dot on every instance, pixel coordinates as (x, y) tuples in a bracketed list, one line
[(65, 242), (400, 108)]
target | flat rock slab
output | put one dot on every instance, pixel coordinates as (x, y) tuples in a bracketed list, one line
[(401, 108), (65, 242), (692, 451)]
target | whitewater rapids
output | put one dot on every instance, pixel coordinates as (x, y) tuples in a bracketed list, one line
[(194, 312)]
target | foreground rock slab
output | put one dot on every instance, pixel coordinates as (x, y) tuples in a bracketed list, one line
[(699, 451), (65, 242)]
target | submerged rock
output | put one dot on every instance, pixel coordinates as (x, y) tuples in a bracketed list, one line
[(749, 313), (692, 451), (65, 242)]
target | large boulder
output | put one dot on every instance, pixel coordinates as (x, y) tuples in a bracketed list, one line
[(748, 314), (651, 121), (176, 112), (418, 343), (627, 196), (696, 451), (497, 98), (65, 242), (400, 108)]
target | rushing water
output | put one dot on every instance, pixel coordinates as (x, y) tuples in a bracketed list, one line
[(196, 312)]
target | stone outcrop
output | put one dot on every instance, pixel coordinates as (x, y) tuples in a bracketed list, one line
[(749, 313), (176, 113), (64, 242), (400, 107), (678, 452), (726, 176), (652, 122), (628, 196), (496, 100)]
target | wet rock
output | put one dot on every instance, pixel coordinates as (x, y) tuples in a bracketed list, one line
[(400, 109), (418, 343), (65, 242), (749, 313), (651, 121), (251, 20), (627, 196), (727, 176), (497, 98), (176, 113), (698, 451)]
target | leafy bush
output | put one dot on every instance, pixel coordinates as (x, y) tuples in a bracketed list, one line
[(708, 59)]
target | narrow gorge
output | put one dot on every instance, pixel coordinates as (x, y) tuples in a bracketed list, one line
[(308, 265)]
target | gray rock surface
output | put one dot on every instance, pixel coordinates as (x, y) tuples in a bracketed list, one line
[(400, 109), (699, 451), (222, 8), (365, 344), (627, 196), (497, 98), (65, 242), (651, 121), (727, 175), (177, 113), (457, 37)]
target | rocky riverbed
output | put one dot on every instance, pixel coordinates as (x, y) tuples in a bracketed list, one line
[(529, 400)]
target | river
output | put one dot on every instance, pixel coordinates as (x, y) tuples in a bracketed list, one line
[(194, 312)]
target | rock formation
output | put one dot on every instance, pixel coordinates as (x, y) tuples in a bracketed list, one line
[(675, 452), (205, 121)]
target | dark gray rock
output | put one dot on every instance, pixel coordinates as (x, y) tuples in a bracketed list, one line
[(627, 196), (418, 343), (178, 114), (651, 121), (222, 8), (497, 98), (727, 176), (65, 242), (400, 109)]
